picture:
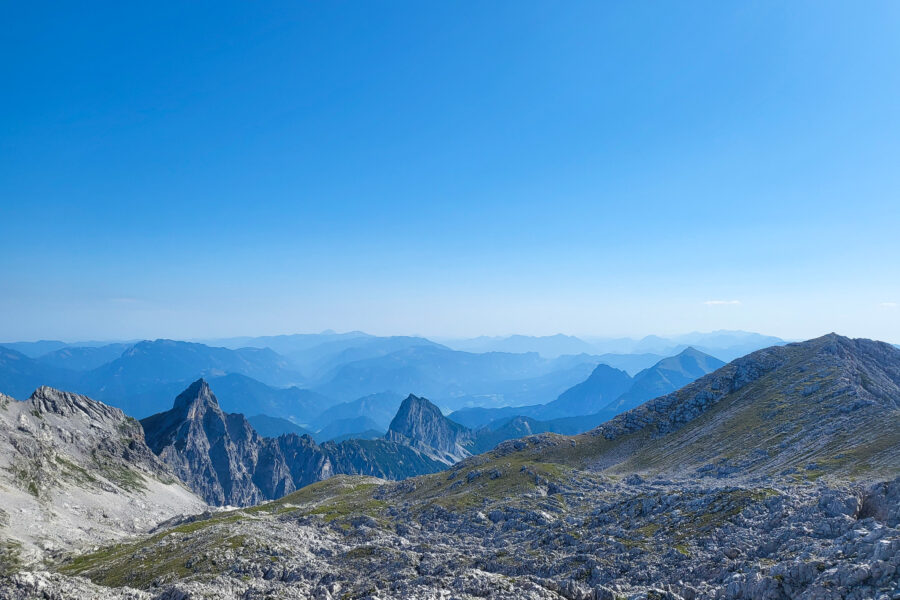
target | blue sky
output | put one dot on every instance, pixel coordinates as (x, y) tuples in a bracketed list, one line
[(600, 168)]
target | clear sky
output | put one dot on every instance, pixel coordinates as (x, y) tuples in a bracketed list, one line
[(199, 169)]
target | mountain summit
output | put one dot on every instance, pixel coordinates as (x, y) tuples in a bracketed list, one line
[(215, 453), (604, 385), (421, 425), (666, 376)]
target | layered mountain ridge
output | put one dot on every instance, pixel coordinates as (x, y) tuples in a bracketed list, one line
[(222, 458), (606, 393), (776, 476)]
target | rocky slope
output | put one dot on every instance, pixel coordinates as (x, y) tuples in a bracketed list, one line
[(828, 405), (75, 472), (221, 457), (513, 530)]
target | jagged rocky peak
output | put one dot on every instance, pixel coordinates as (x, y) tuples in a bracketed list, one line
[(222, 458), (215, 453), (197, 396), (422, 425), (415, 411)]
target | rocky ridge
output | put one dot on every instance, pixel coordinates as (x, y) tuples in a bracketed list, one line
[(221, 457), (74, 473), (826, 406)]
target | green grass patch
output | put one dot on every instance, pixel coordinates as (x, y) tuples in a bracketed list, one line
[(10, 557), (75, 473), (125, 478), (139, 564)]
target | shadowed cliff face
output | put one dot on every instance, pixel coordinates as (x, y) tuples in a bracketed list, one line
[(420, 424), (215, 453), (222, 458)]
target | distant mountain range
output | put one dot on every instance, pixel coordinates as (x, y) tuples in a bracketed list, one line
[(243, 394), (330, 383), (550, 346), (45, 347), (141, 378), (455, 379), (318, 355), (630, 363), (83, 358), (605, 393), (596, 393), (666, 376), (724, 345), (380, 408), (267, 426), (20, 374), (361, 427), (286, 344)]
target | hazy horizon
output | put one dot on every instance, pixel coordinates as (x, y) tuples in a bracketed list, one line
[(589, 338), (197, 171)]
